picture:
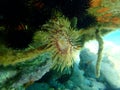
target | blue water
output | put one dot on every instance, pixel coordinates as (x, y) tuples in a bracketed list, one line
[(113, 37)]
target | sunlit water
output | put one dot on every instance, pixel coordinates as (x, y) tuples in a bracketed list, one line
[(113, 37)]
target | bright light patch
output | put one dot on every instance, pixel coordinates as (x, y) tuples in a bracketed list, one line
[(112, 49), (113, 37)]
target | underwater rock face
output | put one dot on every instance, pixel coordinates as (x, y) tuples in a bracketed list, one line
[(79, 80), (24, 73), (35, 74), (110, 64), (5, 74)]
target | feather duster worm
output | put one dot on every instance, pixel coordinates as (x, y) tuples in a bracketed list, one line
[(62, 42)]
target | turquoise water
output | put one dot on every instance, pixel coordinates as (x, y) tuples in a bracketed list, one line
[(114, 37)]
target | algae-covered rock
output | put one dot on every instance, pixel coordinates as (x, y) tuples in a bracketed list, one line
[(25, 72)]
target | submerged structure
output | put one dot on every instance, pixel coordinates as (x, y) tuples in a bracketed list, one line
[(55, 44)]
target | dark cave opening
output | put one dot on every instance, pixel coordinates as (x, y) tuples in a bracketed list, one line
[(19, 39), (15, 12)]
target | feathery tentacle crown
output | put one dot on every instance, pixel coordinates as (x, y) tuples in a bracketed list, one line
[(61, 42)]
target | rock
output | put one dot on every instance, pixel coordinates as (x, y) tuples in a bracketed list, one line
[(110, 66)]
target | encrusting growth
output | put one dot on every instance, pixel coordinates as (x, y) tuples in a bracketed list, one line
[(107, 12), (100, 49)]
